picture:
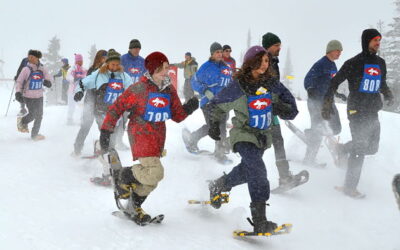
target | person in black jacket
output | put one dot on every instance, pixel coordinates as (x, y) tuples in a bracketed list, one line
[(366, 75)]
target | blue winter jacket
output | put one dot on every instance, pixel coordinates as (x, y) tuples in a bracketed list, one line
[(212, 76), (133, 66), (320, 75)]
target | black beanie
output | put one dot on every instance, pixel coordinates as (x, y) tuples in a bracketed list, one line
[(225, 47), (35, 53), (270, 39), (134, 43), (367, 36)]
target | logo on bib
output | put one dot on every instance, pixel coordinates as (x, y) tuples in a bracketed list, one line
[(134, 70), (260, 104), (36, 76), (116, 85), (158, 102), (226, 72), (372, 71)]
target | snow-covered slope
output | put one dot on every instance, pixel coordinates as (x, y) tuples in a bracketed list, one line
[(47, 201)]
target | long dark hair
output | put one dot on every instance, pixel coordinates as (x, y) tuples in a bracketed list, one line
[(97, 59), (244, 74)]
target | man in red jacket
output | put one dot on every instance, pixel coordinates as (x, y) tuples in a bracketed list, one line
[(152, 101)]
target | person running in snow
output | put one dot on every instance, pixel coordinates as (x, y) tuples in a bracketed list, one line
[(89, 105), (152, 101), (272, 43), (255, 95), (366, 75), (189, 67), (29, 90), (213, 76), (316, 84), (226, 55), (65, 83), (108, 83), (75, 74)]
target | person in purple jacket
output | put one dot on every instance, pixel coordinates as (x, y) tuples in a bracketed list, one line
[(29, 90)]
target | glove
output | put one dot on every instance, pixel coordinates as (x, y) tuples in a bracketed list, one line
[(105, 140), (389, 98), (214, 131), (47, 83), (312, 93), (327, 109), (191, 105), (341, 96), (78, 96), (209, 94), (19, 97)]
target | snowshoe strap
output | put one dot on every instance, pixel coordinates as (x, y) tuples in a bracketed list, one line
[(250, 221)]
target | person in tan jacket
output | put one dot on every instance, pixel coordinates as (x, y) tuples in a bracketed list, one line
[(189, 67)]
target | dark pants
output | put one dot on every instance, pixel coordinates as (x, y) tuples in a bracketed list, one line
[(319, 127), (251, 170), (87, 121), (187, 90), (203, 131), (35, 113), (365, 132), (64, 91), (279, 149)]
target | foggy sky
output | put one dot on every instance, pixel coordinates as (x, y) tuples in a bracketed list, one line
[(177, 26)]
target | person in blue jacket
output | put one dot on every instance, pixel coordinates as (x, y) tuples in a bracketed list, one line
[(108, 83), (132, 62), (316, 83), (212, 77)]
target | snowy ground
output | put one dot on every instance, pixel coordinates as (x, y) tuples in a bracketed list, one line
[(47, 201)]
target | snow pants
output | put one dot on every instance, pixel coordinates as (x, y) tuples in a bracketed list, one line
[(71, 102), (187, 90), (86, 122), (148, 173), (35, 113), (319, 127), (251, 170), (279, 149), (365, 132)]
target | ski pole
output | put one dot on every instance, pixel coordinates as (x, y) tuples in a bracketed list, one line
[(9, 101)]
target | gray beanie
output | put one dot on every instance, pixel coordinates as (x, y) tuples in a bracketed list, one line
[(214, 47), (333, 45)]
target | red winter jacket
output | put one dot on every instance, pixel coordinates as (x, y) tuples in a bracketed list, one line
[(147, 138)]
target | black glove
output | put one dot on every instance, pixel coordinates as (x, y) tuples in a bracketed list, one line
[(389, 98), (47, 83), (327, 109), (214, 131), (105, 140), (191, 105), (78, 96), (341, 96), (19, 97), (312, 93)]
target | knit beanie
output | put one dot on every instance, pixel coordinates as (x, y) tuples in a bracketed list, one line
[(225, 47), (65, 61), (214, 47), (252, 52), (188, 54), (154, 61), (35, 53), (270, 39), (367, 36), (113, 55), (134, 43), (333, 45), (78, 58)]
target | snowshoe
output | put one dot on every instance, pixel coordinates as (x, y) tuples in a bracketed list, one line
[(396, 188), (337, 152), (291, 182), (154, 220), (355, 194), (282, 229), (104, 181), (300, 134), (313, 164), (219, 193)]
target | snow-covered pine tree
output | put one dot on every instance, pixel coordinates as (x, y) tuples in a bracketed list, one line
[(392, 56), (287, 75), (92, 54), (52, 61)]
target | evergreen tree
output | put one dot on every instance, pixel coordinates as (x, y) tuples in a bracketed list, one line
[(92, 53), (288, 72), (52, 62)]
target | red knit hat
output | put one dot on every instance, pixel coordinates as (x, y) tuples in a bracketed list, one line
[(154, 60)]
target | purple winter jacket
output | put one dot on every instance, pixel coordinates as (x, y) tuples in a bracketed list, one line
[(24, 79)]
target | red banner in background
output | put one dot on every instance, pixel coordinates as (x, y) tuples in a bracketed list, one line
[(173, 74)]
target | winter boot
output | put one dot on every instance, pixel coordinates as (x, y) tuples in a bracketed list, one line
[(38, 137), (135, 211), (23, 128), (124, 182), (259, 220), (217, 187), (104, 180)]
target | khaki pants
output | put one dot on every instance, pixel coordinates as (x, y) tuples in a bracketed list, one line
[(149, 172)]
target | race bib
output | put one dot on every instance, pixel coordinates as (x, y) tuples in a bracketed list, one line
[(158, 107), (114, 89), (260, 111), (371, 82), (36, 81), (226, 76), (333, 73), (78, 75), (134, 73)]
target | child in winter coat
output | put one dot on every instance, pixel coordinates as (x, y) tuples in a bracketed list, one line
[(255, 97), (29, 90), (151, 101)]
